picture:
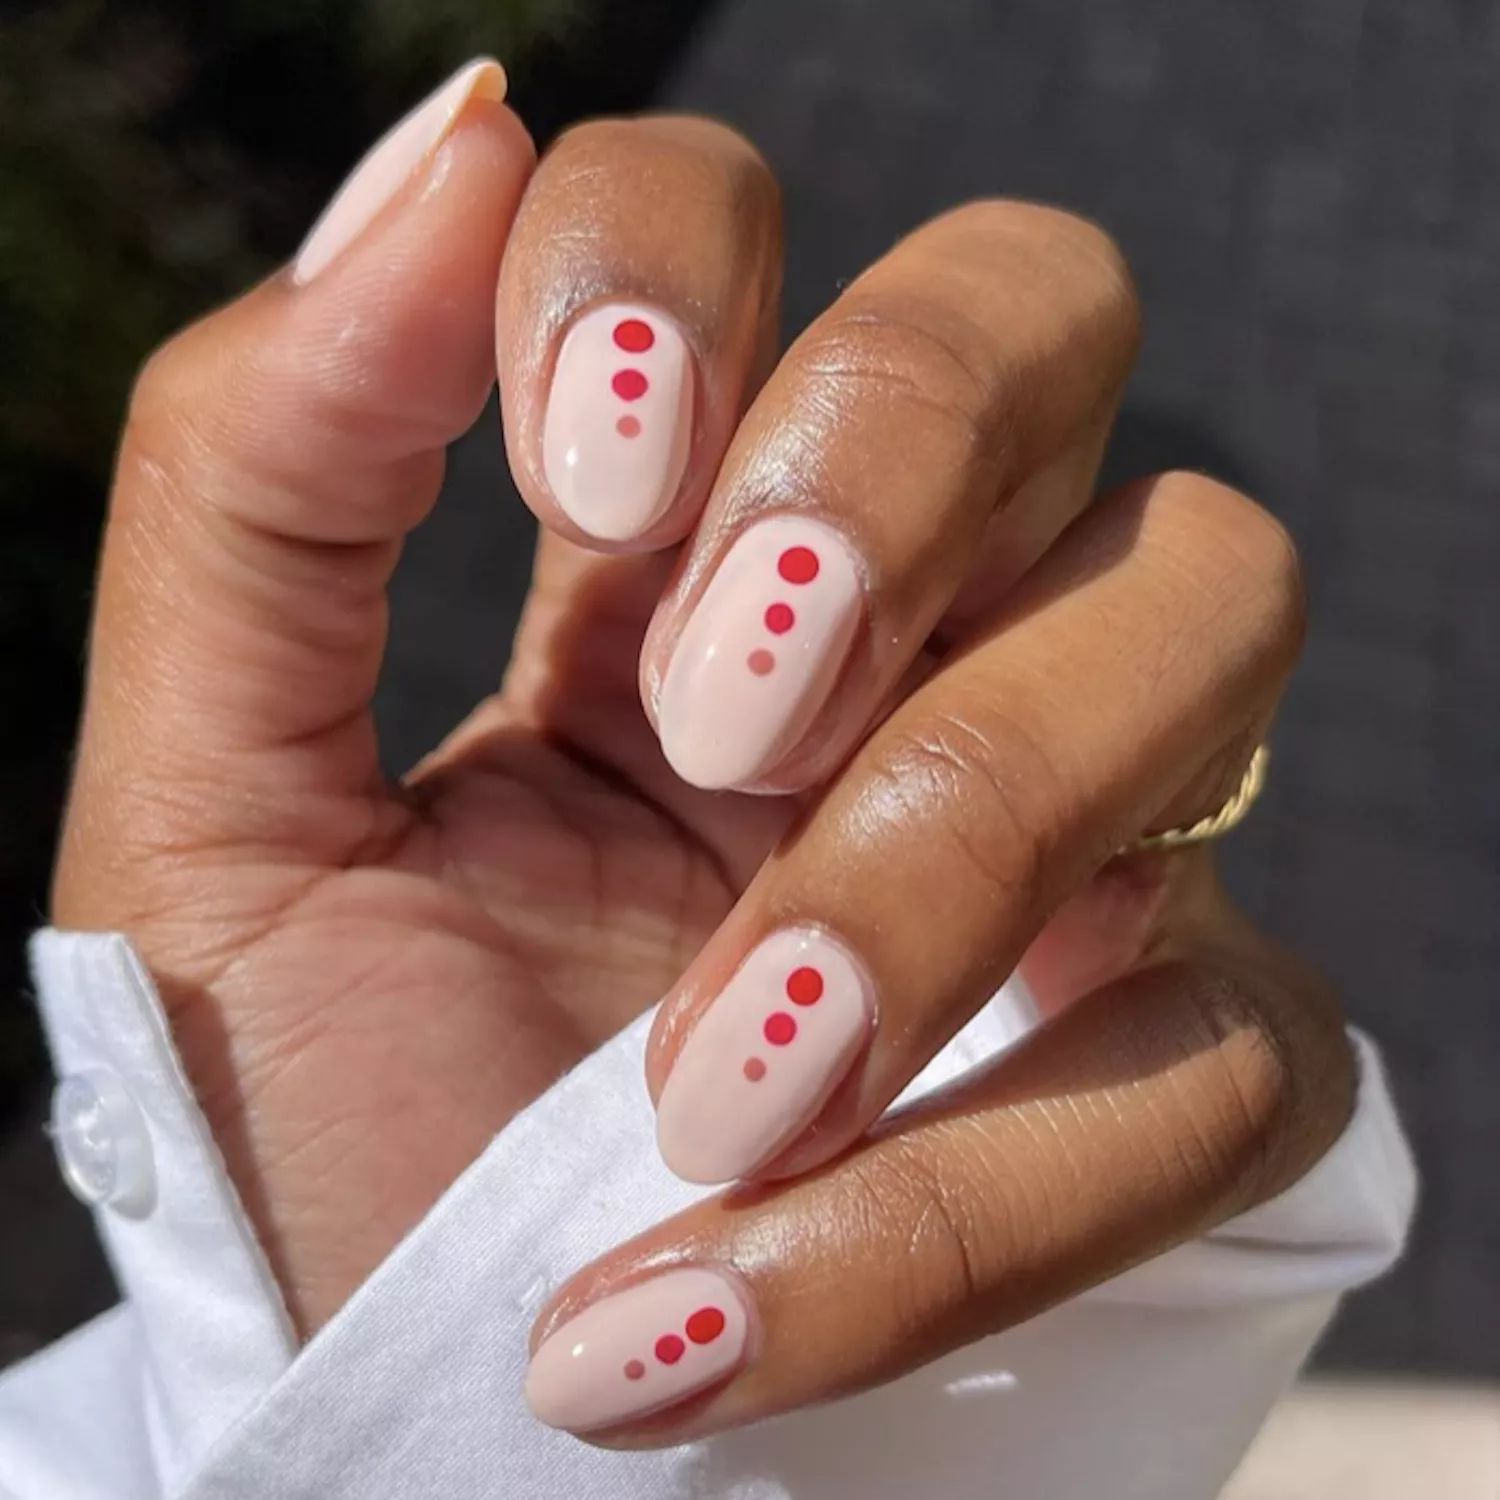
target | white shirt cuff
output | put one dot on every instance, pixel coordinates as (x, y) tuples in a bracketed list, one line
[(1150, 1386)]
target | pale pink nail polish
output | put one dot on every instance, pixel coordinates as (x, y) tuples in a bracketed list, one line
[(764, 1057), (638, 1351), (619, 420), (760, 652), (390, 162)]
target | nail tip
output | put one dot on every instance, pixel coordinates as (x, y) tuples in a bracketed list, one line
[(694, 1172), (638, 1351), (592, 520), (491, 81), (760, 653), (687, 764), (764, 1059), (329, 238), (684, 1128), (543, 1411), (544, 1389)]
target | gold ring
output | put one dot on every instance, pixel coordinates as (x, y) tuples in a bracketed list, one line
[(1216, 825)]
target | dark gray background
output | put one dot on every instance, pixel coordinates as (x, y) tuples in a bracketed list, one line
[(1307, 190)]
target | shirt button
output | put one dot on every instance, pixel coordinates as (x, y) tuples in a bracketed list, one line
[(102, 1144)]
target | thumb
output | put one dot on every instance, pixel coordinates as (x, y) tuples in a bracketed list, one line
[(275, 456)]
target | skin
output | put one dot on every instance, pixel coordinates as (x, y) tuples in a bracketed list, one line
[(367, 980)]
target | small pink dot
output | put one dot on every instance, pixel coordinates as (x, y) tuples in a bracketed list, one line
[(705, 1325), (761, 662), (780, 1028), (628, 426), (634, 1370), (755, 1069), (797, 564), (630, 385), (669, 1348), (634, 336), (804, 986), (780, 619)]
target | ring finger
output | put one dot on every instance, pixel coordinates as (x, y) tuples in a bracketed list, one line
[(1124, 683)]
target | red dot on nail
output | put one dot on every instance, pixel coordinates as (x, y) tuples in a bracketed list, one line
[(669, 1348), (797, 564), (705, 1325), (634, 1370), (804, 986), (780, 1028), (628, 426), (634, 336), (755, 1069), (780, 619), (761, 662), (629, 385)]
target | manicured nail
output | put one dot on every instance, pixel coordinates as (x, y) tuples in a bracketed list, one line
[(764, 1057), (390, 162), (760, 653), (638, 1351), (619, 420)]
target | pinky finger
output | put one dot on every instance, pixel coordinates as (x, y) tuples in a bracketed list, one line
[(1167, 1101)]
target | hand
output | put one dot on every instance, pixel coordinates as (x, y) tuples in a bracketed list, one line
[(895, 608)]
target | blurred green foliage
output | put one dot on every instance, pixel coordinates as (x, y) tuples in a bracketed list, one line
[(154, 158)]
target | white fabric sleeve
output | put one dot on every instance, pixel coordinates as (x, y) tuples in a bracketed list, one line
[(211, 1332), (1147, 1388)]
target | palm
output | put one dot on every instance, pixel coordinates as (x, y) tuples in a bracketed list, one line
[(542, 880)]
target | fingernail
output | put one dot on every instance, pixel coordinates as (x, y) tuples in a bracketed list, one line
[(764, 1057), (638, 1351), (760, 653), (390, 162), (619, 420)]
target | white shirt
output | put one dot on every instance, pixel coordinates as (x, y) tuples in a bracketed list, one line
[(1147, 1388)]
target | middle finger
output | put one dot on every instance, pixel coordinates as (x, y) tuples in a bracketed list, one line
[(968, 377)]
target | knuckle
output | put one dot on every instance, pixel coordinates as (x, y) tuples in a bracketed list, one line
[(161, 390), (1063, 247), (898, 1205), (1243, 1092), (1243, 548), (1012, 321), (1278, 565), (167, 417), (915, 352), (1002, 325), (984, 789)]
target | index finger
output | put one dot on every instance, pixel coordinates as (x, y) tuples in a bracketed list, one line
[(638, 303)]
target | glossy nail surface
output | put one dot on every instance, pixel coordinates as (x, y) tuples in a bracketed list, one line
[(760, 652), (619, 420), (638, 1351), (390, 163), (764, 1057)]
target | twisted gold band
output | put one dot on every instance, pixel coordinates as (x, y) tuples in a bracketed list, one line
[(1216, 825)]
